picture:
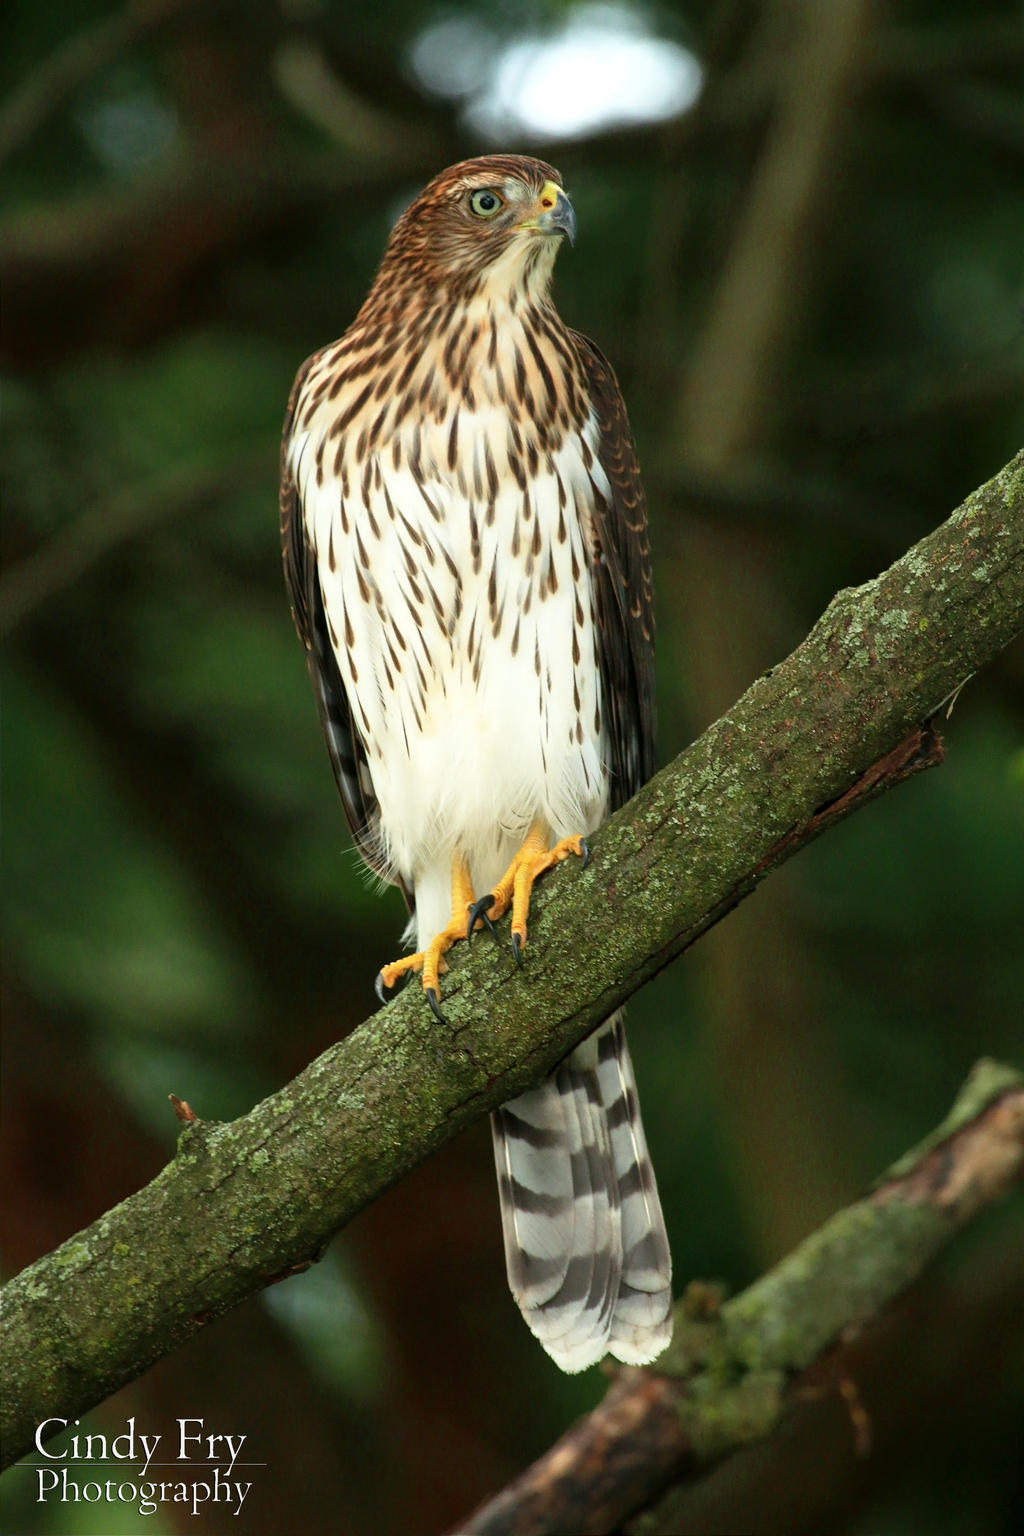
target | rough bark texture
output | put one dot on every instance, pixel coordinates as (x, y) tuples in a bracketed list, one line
[(242, 1204), (732, 1371)]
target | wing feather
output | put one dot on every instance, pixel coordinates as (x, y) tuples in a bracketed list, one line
[(623, 586)]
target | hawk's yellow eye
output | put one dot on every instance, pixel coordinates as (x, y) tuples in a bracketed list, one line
[(485, 202)]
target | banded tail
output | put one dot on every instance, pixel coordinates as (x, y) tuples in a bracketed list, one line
[(585, 1245)]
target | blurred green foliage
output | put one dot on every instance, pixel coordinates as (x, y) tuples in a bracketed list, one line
[(187, 213)]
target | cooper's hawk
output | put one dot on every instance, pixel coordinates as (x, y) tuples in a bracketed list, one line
[(465, 542)]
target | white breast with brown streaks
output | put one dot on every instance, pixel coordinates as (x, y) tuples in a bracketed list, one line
[(454, 554)]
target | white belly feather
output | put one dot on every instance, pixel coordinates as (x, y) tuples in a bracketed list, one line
[(466, 643)]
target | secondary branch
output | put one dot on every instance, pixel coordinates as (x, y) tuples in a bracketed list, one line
[(732, 1371)]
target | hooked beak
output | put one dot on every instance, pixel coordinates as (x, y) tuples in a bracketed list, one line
[(553, 214)]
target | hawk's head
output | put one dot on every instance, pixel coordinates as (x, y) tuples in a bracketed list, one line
[(494, 222)]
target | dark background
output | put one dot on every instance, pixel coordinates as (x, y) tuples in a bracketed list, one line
[(811, 287)]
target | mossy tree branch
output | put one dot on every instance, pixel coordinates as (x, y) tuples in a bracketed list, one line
[(843, 718)]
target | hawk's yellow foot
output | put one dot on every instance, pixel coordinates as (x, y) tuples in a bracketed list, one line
[(516, 885), (430, 961)]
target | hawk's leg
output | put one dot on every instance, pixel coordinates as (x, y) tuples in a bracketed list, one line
[(515, 886), (430, 961)]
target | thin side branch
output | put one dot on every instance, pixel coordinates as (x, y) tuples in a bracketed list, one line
[(846, 715), (732, 1372)]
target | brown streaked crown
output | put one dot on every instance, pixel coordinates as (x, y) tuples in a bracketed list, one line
[(438, 242)]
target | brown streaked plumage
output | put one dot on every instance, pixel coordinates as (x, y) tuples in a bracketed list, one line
[(465, 543)]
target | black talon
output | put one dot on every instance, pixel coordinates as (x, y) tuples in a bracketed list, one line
[(435, 1004), (517, 950), (478, 913), (584, 852)]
